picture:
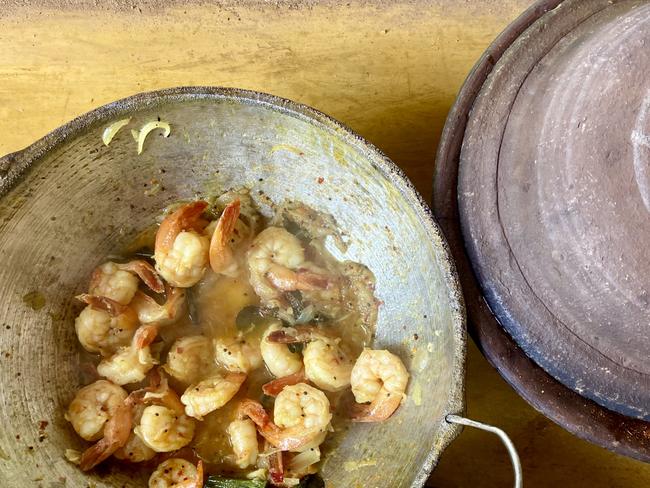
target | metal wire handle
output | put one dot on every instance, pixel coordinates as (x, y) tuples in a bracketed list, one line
[(512, 451)]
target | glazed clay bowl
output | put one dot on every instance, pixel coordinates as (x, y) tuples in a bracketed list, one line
[(68, 201)]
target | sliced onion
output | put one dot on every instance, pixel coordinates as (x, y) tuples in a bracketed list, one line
[(258, 474), (306, 315), (303, 460), (291, 482), (73, 456), (148, 127), (111, 130), (286, 315)]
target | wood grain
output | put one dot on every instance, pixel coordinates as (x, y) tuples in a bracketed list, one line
[(389, 70)]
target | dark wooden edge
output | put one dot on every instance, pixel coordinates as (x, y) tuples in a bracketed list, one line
[(582, 417)]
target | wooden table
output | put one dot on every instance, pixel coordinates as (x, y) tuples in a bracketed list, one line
[(388, 69)]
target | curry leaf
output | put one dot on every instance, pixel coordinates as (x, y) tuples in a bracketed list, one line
[(219, 482)]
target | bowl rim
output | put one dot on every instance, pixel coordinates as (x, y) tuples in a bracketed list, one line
[(14, 166)]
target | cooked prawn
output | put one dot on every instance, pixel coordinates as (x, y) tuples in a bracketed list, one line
[(119, 281), (93, 406), (276, 262), (301, 414), (181, 248), (164, 427), (302, 407), (116, 434), (243, 439), (331, 301), (285, 279), (188, 357), (380, 378), (135, 451), (249, 217), (238, 355), (278, 358), (326, 363), (177, 473), (105, 325), (150, 312), (211, 394), (131, 364), (222, 260)]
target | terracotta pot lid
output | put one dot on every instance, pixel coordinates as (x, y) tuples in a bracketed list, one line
[(552, 190), (554, 198)]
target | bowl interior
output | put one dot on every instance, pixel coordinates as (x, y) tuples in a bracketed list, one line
[(78, 200)]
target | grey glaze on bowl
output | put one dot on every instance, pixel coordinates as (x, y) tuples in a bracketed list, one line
[(68, 201)]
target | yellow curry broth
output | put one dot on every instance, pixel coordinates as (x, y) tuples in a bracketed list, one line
[(346, 310)]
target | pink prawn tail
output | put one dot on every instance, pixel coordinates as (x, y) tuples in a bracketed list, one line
[(273, 388), (379, 410), (199, 475), (276, 469), (284, 337), (286, 279), (271, 432), (106, 304), (298, 334), (254, 410), (175, 299), (145, 335), (116, 434), (227, 221), (222, 234), (308, 280), (185, 217), (146, 273)]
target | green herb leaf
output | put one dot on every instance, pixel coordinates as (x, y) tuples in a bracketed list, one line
[(144, 252), (267, 402), (295, 300), (219, 482), (295, 229), (296, 347), (320, 318), (192, 306), (250, 317)]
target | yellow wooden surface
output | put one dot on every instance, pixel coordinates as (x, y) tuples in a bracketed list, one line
[(389, 70)]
